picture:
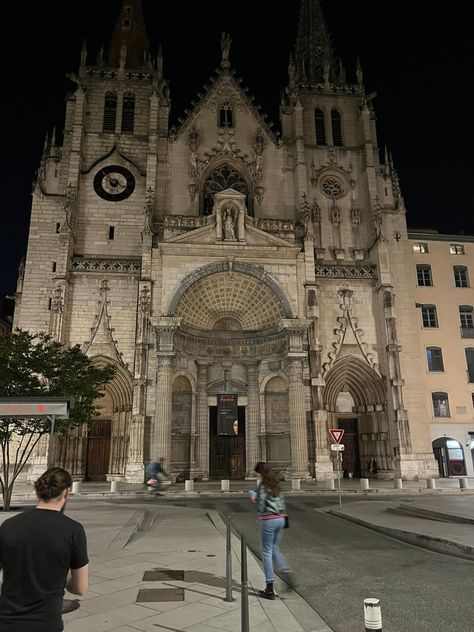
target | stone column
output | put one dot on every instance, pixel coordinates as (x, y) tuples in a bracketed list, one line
[(252, 421), (162, 427), (202, 421), (298, 433)]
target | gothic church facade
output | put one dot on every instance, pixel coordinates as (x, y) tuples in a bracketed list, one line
[(221, 258)]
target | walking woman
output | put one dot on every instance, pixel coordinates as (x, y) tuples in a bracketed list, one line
[(272, 516)]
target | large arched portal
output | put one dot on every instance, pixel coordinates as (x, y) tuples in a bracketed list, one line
[(231, 325), (355, 399)]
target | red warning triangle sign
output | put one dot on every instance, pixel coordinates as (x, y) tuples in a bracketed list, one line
[(337, 434)]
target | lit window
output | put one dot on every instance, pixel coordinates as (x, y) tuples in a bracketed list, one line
[(429, 316), (456, 249), (423, 274), (461, 278), (440, 404), (434, 357), (420, 249)]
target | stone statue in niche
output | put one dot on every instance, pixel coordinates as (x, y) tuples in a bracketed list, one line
[(228, 223)]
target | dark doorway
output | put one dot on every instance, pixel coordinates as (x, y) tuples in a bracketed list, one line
[(98, 450), (350, 456), (226, 453), (450, 457)]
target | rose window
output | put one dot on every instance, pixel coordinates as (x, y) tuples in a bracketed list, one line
[(332, 186)]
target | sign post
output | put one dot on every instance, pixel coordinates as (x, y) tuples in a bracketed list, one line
[(338, 448)]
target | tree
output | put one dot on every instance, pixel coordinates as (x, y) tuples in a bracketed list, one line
[(35, 365)]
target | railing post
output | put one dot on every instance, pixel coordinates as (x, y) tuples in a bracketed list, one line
[(228, 562), (244, 591)]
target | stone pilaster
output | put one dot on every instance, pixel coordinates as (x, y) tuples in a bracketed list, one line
[(162, 427), (252, 421), (298, 433), (202, 421)]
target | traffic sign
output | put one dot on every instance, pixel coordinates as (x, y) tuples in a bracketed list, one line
[(337, 447), (337, 434)]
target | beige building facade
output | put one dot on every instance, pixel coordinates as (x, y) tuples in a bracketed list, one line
[(219, 258), (445, 301)]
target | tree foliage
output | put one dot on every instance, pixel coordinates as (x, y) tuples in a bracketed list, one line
[(35, 365)]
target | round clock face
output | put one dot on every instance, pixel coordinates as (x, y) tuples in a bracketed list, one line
[(114, 183)]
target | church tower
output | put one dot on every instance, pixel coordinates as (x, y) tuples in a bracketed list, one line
[(248, 287)]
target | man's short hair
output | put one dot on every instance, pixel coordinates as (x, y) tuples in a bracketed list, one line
[(52, 483)]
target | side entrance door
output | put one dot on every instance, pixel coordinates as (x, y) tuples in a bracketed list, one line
[(98, 450), (227, 453), (350, 456)]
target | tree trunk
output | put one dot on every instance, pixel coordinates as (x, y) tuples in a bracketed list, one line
[(7, 497)]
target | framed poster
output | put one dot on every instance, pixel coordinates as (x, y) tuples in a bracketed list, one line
[(227, 419)]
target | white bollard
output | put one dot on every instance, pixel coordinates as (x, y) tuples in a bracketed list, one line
[(331, 484), (188, 485), (364, 483), (295, 483), (225, 485), (431, 483), (113, 486), (464, 483), (372, 615), (76, 487), (397, 483)]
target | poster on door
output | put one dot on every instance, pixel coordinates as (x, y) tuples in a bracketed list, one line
[(227, 419)]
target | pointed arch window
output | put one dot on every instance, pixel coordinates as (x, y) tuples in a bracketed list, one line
[(128, 113), (320, 127), (110, 112), (336, 128), (222, 178), (226, 115)]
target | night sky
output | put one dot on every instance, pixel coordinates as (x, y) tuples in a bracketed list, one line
[(417, 56)]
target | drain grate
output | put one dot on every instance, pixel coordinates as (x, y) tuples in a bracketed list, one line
[(163, 574), (160, 594)]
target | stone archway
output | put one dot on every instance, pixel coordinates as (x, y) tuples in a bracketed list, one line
[(356, 401)]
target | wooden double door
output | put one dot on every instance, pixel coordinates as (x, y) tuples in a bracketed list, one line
[(98, 450), (227, 453), (351, 455)]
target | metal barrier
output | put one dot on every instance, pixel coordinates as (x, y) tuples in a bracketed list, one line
[(228, 562)]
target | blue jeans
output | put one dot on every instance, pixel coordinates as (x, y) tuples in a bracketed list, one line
[(270, 533)]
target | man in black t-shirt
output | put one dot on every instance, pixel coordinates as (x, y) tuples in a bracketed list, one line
[(42, 551)]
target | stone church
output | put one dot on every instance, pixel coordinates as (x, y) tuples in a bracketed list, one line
[(220, 258)]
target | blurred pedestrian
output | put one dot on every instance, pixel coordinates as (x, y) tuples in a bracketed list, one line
[(156, 473), (42, 552)]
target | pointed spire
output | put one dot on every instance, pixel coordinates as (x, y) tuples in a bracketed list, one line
[(159, 62), (84, 52), (53, 140), (314, 53), (359, 74), (130, 35)]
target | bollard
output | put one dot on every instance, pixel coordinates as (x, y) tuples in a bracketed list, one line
[(228, 562), (76, 487), (188, 486), (225, 485), (113, 486), (364, 483), (464, 483), (331, 484), (431, 483), (244, 591), (295, 483), (398, 483), (372, 615)]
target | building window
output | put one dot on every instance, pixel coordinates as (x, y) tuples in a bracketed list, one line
[(440, 404), (461, 278), (224, 177), (53, 266), (423, 274), (110, 112), (472, 397), (50, 302), (434, 357), (111, 233), (320, 127), (225, 115), (336, 128), (420, 249), (470, 364), (128, 113), (429, 316), (466, 316), (456, 249), (57, 228)]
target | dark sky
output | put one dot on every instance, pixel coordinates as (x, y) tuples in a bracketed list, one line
[(416, 55)]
